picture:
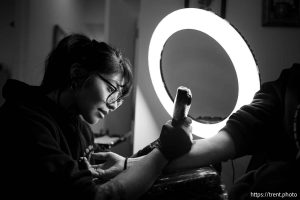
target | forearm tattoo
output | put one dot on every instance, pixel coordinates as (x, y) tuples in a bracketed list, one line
[(112, 190)]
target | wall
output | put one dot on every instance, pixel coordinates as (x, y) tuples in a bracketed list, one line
[(8, 47), (93, 13), (7, 34), (36, 26), (149, 113), (274, 49), (120, 32)]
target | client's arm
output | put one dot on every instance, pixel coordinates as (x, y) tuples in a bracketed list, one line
[(136, 180), (205, 151)]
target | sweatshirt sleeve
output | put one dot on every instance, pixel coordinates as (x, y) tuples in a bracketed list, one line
[(57, 168), (38, 158), (253, 125)]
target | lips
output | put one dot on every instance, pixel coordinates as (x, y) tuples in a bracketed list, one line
[(103, 111)]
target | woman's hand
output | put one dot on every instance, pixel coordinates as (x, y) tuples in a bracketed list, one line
[(176, 138), (113, 165)]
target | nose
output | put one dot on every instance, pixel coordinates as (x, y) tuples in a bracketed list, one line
[(113, 106)]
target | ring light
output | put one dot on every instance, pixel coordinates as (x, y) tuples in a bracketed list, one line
[(233, 44)]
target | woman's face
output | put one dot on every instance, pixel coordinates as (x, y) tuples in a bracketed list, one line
[(91, 97)]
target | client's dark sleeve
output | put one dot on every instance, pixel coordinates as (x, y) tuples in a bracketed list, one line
[(258, 126)]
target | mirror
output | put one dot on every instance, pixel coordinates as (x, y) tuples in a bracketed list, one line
[(193, 59)]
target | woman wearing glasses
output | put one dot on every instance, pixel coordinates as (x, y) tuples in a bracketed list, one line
[(46, 133)]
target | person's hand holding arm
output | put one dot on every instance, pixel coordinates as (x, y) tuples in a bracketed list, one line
[(203, 152), (138, 178), (112, 165)]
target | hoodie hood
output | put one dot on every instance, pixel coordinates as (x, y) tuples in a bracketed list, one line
[(34, 97), (19, 91)]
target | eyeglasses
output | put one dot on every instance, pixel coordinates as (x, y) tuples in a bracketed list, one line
[(115, 95)]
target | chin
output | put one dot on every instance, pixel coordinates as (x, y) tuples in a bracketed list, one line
[(91, 120), (94, 121)]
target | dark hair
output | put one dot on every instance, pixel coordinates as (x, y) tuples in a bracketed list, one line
[(92, 56)]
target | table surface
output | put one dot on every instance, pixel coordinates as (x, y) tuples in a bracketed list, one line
[(107, 140)]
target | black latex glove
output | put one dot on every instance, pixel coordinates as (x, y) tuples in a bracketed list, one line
[(175, 138)]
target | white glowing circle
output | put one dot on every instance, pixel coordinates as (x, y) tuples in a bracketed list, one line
[(233, 44)]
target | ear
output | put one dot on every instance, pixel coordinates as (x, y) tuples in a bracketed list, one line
[(76, 71)]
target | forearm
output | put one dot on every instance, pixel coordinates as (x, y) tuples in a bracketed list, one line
[(205, 151), (133, 161), (138, 178)]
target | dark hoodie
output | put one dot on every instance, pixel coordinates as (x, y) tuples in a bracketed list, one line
[(266, 129), (266, 125), (42, 144)]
